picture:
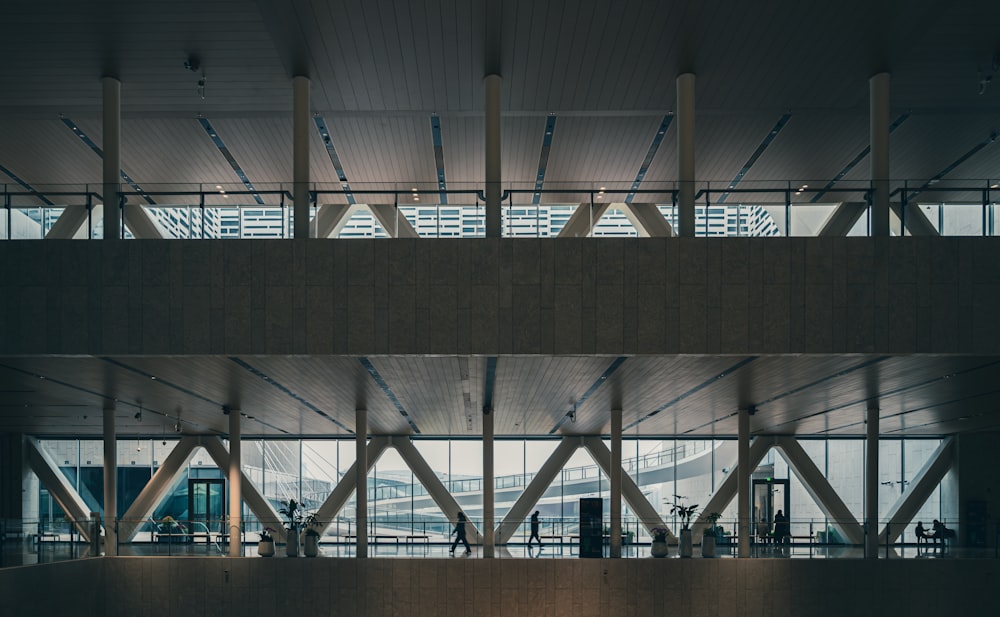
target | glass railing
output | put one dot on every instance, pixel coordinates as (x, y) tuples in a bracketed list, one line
[(599, 209)]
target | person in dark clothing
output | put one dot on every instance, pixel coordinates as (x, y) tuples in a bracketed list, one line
[(459, 534), (780, 528), (534, 530)]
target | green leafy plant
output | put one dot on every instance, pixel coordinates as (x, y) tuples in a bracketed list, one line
[(713, 529), (659, 534), (685, 513), (265, 534), (292, 510)]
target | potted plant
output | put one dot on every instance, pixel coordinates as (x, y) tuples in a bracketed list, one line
[(292, 510), (265, 548), (310, 544), (659, 547), (685, 513), (710, 535)]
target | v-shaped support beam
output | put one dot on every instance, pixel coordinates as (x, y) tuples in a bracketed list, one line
[(435, 488), (820, 490), (156, 489), (630, 490), (583, 220), (260, 506), (59, 487), (348, 483), (536, 488), (927, 479), (727, 490)]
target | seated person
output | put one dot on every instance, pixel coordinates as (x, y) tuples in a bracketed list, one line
[(921, 532), (938, 532)]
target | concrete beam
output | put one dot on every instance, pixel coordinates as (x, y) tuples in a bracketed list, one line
[(536, 488), (260, 506), (729, 487), (156, 489), (916, 221), (820, 490), (583, 220), (923, 485), (331, 218), (59, 487), (630, 490), (430, 481), (393, 221), (647, 219), (69, 224), (843, 218), (138, 221), (348, 483)]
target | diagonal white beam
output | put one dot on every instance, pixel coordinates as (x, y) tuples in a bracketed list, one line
[(820, 490), (156, 489), (393, 221), (927, 479), (59, 487), (583, 220), (140, 224), (647, 220), (348, 483), (727, 490), (843, 218), (69, 223), (331, 218), (430, 481), (536, 488), (630, 490), (261, 508), (916, 221)]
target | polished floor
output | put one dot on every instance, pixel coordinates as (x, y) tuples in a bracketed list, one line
[(27, 552)]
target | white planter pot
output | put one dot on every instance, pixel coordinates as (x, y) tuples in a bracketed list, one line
[(659, 549), (310, 547), (292, 544), (266, 548), (708, 546), (686, 549)]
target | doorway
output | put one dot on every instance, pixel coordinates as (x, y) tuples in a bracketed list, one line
[(206, 504), (769, 496)]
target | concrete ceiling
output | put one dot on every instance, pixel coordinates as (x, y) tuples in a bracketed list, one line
[(605, 69), (671, 395)]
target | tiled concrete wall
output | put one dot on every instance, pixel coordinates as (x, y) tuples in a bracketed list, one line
[(211, 587), (509, 296)]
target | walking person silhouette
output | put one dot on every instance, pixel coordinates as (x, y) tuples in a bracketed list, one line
[(534, 530), (459, 534)]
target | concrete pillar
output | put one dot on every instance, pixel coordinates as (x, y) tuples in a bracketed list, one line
[(878, 86), (235, 485), (489, 540), (616, 483), (685, 154), (871, 483), (300, 154), (110, 481), (493, 172), (361, 471), (112, 166), (743, 484)]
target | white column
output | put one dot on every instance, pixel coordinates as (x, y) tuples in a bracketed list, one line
[(361, 471), (235, 484), (488, 485), (878, 86), (112, 165), (743, 484), (685, 154), (871, 483), (493, 172), (110, 481), (300, 154), (616, 483)]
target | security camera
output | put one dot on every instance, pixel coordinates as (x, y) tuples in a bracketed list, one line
[(177, 427)]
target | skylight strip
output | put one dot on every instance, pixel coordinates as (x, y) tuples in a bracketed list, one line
[(650, 153), (756, 155), (90, 144), (331, 151), (543, 156), (214, 135)]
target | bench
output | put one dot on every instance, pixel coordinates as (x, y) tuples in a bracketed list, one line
[(411, 539), (374, 539)]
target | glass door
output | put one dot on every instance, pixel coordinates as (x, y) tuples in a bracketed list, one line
[(206, 504), (769, 496)]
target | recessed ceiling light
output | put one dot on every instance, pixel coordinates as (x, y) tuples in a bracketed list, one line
[(993, 186), (152, 376), (414, 189), (602, 188), (805, 186)]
